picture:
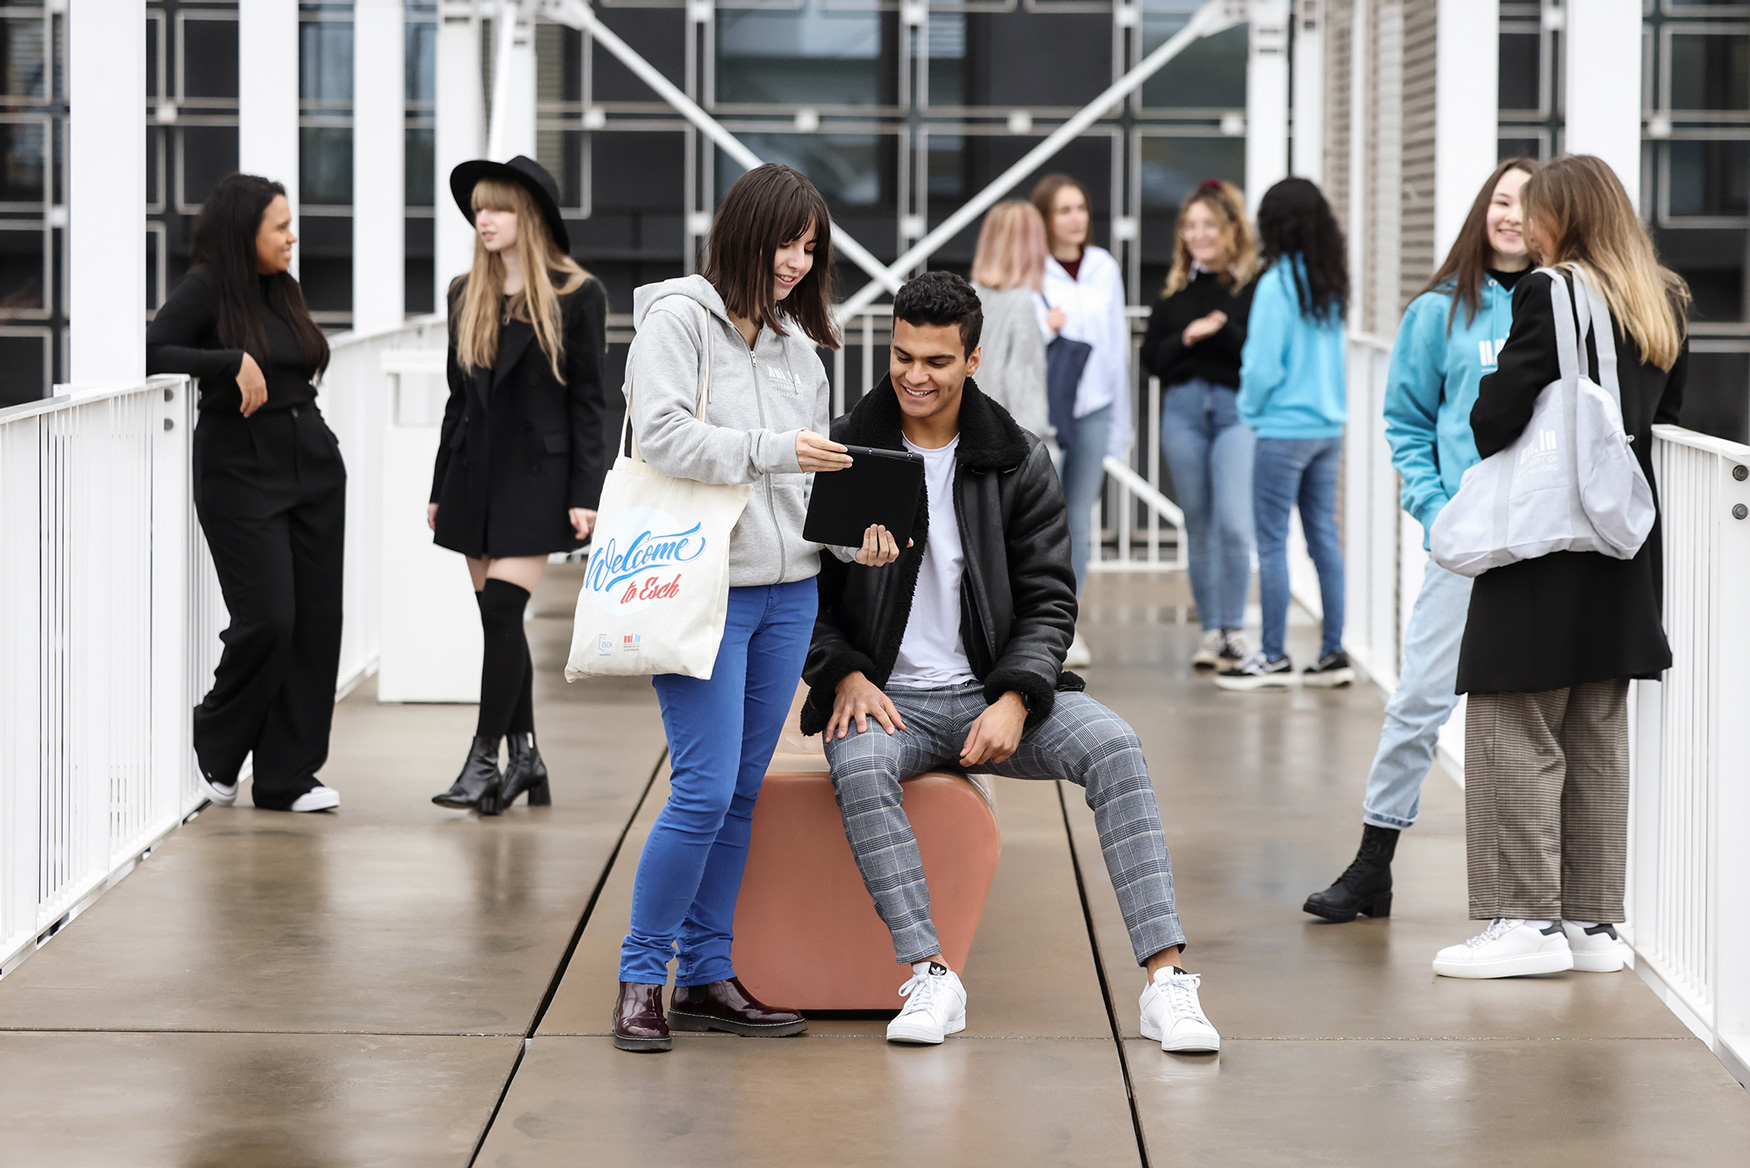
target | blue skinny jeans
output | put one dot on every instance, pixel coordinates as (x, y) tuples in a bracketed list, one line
[(721, 735), (1286, 472), (1082, 472), (1209, 454)]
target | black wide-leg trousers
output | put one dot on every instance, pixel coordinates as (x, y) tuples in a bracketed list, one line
[(271, 495)]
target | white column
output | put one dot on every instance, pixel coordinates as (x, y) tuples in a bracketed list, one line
[(106, 191), (379, 180), (1308, 153), (461, 112), (1266, 98), (1466, 110), (267, 95), (1603, 98), (513, 82)]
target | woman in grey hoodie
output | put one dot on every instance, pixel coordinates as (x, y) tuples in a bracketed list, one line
[(757, 314)]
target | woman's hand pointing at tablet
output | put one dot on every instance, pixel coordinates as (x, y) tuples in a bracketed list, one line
[(818, 453)]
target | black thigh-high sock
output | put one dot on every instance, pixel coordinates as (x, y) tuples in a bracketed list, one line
[(504, 661), (522, 719)]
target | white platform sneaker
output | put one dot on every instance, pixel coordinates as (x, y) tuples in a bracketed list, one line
[(1507, 948), (317, 799), (1596, 948), (935, 1006), (1209, 653), (1172, 1015), (222, 794)]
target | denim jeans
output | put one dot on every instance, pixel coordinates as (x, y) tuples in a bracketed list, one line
[(1082, 472), (721, 734), (1286, 472), (1209, 454), (1423, 701)]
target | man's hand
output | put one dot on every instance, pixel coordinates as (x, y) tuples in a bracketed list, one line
[(879, 547), (818, 453), (996, 734), (858, 699)]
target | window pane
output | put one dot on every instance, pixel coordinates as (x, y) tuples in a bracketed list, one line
[(209, 58), (21, 162), (1046, 59), (1717, 398), (561, 152), (421, 162), (22, 59), (325, 165), (1520, 87), (948, 74), (209, 153), (1519, 148), (24, 374), (1710, 178), (325, 61), (1210, 74), (847, 168), (21, 272), (1710, 72), (810, 57), (1171, 167), (421, 62)]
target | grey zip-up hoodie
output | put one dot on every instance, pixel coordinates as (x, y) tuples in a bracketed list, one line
[(760, 399)]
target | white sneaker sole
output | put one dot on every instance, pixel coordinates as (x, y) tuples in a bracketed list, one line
[(217, 794), (1247, 684), (1612, 962), (1335, 679), (1206, 661), (1193, 1041), (317, 799), (922, 1036), (1524, 965)]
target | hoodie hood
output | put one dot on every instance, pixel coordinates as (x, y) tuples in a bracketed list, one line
[(694, 287)]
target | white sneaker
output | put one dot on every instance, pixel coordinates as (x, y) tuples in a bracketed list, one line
[(317, 799), (1208, 654), (1234, 646), (1171, 1013), (935, 1006), (1078, 656), (1507, 948), (223, 794), (1596, 948)]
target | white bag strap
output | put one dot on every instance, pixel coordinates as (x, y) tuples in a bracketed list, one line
[(1603, 335), (1570, 333), (704, 379)]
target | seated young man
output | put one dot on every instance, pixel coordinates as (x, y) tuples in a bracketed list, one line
[(953, 655)]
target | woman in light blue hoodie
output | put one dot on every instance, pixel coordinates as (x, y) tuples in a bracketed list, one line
[(1447, 342), (1291, 395)]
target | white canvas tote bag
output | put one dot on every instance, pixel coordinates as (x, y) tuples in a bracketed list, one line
[(656, 588), (1570, 482)]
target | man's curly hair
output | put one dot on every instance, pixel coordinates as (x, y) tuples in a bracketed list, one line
[(941, 298)]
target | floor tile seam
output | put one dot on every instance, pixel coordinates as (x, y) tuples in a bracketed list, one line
[(1445, 1038)]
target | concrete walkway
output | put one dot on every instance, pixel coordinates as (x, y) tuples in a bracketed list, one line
[(400, 985)]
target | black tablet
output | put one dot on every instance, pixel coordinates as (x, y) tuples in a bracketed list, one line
[(880, 486)]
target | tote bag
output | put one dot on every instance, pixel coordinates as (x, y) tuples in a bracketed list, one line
[(1065, 359), (656, 586), (1570, 482)]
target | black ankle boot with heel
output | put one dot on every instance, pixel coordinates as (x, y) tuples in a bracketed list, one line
[(478, 787), (1364, 889), (526, 772)]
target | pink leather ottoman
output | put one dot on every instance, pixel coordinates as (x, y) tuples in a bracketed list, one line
[(806, 934)]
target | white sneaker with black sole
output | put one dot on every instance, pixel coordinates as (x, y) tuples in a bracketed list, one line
[(1258, 672), (317, 799), (1234, 647), (223, 794), (1172, 1015), (1508, 948), (1209, 653), (935, 1006), (1330, 671), (1596, 948)]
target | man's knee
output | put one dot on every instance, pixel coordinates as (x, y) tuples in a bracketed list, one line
[(863, 766)]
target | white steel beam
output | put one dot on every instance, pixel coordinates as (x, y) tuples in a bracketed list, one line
[(379, 175), (1603, 99), (267, 95), (106, 191), (512, 131), (1307, 147), (1266, 98), (1213, 17), (461, 114), (1467, 63)]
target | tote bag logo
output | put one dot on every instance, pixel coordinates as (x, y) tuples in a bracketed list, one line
[(640, 557)]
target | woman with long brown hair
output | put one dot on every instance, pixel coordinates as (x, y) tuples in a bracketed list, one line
[(1195, 335), (1552, 642), (1446, 344), (521, 455)]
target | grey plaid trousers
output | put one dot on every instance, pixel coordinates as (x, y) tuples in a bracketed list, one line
[(1081, 741), (1546, 802)]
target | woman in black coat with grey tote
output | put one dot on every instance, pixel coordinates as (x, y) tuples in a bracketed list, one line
[(1551, 643), (522, 455)]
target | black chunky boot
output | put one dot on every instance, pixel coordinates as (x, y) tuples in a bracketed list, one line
[(477, 787), (525, 772), (1364, 889)]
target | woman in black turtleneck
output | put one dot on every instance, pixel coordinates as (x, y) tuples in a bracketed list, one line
[(270, 490)]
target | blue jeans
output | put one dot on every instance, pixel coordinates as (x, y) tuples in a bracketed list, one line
[(1423, 701), (1209, 454), (1082, 472), (721, 734), (1287, 471)]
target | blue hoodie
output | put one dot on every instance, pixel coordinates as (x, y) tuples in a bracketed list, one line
[(1291, 369), (1431, 387)]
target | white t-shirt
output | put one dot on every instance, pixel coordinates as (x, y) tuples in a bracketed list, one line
[(931, 654)]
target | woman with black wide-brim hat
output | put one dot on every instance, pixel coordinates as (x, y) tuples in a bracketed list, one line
[(522, 453)]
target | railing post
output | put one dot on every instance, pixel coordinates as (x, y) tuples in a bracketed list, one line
[(21, 679), (1731, 775), (171, 587)]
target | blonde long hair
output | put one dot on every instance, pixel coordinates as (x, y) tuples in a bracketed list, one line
[(1011, 248), (1228, 204), (537, 304), (1585, 218)]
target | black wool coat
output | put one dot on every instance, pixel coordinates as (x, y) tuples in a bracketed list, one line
[(1567, 618), (518, 447), (1018, 591)]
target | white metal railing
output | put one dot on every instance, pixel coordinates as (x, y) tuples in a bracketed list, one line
[(1690, 803)]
